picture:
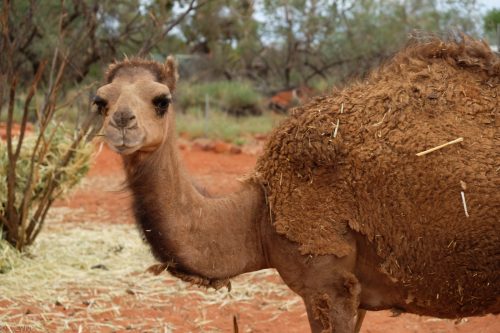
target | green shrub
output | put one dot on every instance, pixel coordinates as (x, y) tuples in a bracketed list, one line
[(219, 125), (237, 98), (41, 176), (69, 175), (36, 168)]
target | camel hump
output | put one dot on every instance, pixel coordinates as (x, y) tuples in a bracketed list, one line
[(346, 146)]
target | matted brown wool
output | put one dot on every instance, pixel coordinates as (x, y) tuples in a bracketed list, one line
[(367, 177)]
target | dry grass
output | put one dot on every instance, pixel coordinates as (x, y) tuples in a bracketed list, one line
[(85, 267)]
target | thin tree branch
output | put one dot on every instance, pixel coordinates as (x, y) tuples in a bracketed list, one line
[(331, 65), (11, 168), (27, 103), (152, 42)]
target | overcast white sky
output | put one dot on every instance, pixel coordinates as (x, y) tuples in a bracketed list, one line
[(488, 4)]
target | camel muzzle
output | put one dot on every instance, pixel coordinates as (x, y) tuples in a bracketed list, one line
[(123, 119)]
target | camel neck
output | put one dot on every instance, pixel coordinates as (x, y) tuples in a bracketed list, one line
[(209, 237)]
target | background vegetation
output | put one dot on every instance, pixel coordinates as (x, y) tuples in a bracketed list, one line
[(274, 44)]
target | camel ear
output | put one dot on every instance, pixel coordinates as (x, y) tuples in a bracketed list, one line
[(171, 73)]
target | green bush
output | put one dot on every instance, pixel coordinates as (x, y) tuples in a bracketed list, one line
[(218, 125), (69, 175), (238, 98), (36, 168), (41, 176)]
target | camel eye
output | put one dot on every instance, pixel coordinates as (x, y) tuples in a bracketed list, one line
[(161, 103), (100, 103)]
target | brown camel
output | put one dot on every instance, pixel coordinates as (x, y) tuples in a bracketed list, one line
[(339, 203)]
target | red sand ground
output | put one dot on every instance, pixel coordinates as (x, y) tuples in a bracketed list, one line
[(218, 173)]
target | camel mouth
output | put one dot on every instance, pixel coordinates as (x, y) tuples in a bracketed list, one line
[(124, 149), (124, 143)]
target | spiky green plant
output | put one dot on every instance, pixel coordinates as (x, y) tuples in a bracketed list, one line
[(36, 168), (42, 175)]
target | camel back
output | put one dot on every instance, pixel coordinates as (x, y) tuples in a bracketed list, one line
[(349, 161)]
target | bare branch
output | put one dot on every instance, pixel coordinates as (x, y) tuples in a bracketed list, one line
[(152, 42), (324, 68), (27, 103), (11, 169)]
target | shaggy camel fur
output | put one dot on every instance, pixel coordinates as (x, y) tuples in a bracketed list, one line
[(339, 202)]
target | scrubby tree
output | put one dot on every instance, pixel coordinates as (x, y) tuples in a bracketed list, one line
[(96, 31), (225, 33), (277, 44), (491, 25), (311, 39)]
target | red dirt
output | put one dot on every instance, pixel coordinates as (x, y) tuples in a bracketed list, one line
[(218, 173), (16, 129)]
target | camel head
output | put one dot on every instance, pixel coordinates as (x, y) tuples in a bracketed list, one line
[(136, 104)]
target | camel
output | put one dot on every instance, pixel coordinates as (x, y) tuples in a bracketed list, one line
[(339, 202)]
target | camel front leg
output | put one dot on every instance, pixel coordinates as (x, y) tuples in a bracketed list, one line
[(335, 309), (359, 320)]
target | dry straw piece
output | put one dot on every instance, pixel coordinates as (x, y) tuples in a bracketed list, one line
[(464, 203), (336, 128), (440, 146)]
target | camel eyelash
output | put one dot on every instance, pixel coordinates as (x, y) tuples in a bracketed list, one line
[(100, 103), (161, 104)]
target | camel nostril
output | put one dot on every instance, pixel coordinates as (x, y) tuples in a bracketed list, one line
[(123, 118)]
